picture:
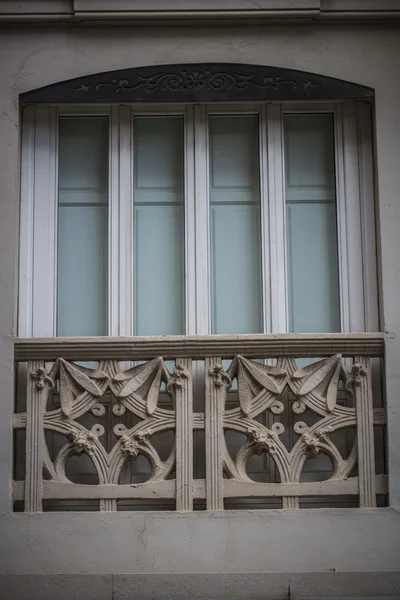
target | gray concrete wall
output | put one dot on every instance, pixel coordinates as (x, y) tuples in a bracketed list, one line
[(327, 541)]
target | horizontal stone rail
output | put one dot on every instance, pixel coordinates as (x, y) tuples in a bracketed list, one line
[(198, 347)]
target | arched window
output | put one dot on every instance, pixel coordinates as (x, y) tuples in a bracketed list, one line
[(197, 199)]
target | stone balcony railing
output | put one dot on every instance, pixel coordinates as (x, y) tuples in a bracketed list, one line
[(216, 384)]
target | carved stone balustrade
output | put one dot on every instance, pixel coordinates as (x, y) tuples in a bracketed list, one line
[(240, 385)]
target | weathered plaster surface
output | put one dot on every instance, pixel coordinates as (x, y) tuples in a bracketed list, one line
[(204, 586), (280, 541), (274, 541)]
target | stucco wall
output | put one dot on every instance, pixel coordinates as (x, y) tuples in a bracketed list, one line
[(280, 541)]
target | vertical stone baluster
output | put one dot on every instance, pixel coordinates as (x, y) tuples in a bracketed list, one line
[(361, 374), (214, 430), (108, 505), (37, 390), (290, 502), (184, 434)]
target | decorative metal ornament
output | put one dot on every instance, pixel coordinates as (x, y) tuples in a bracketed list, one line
[(203, 82)]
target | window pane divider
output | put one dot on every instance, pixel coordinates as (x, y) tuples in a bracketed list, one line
[(114, 308), (368, 224), (202, 228), (265, 233), (121, 223), (190, 223), (45, 222), (26, 260), (276, 220), (349, 219)]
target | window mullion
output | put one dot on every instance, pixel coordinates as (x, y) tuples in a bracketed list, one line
[(265, 233), (275, 219), (113, 227), (201, 216), (368, 225), (190, 224), (45, 223), (349, 219), (120, 228), (25, 320)]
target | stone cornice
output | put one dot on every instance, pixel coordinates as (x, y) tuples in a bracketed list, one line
[(196, 11)]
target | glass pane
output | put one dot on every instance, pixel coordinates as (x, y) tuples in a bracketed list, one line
[(82, 226), (314, 300), (159, 226), (235, 224)]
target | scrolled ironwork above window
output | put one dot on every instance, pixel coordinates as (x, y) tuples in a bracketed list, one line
[(203, 82)]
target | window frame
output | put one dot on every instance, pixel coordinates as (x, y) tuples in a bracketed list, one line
[(354, 204)]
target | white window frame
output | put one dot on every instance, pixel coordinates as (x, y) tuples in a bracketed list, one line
[(354, 201)]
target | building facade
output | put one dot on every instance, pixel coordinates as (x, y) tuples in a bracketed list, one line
[(200, 277)]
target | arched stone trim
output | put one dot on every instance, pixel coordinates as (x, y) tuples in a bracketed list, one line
[(198, 82)]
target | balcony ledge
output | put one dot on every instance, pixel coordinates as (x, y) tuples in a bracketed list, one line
[(199, 347)]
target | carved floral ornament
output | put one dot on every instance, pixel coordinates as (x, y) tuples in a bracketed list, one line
[(219, 376), (41, 378), (178, 377), (264, 440), (131, 445), (313, 441), (82, 442), (357, 374)]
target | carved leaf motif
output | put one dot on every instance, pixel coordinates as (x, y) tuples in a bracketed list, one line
[(145, 381), (253, 377), (73, 376), (93, 373), (153, 393), (325, 372)]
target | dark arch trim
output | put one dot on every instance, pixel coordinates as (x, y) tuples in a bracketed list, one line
[(203, 82)]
